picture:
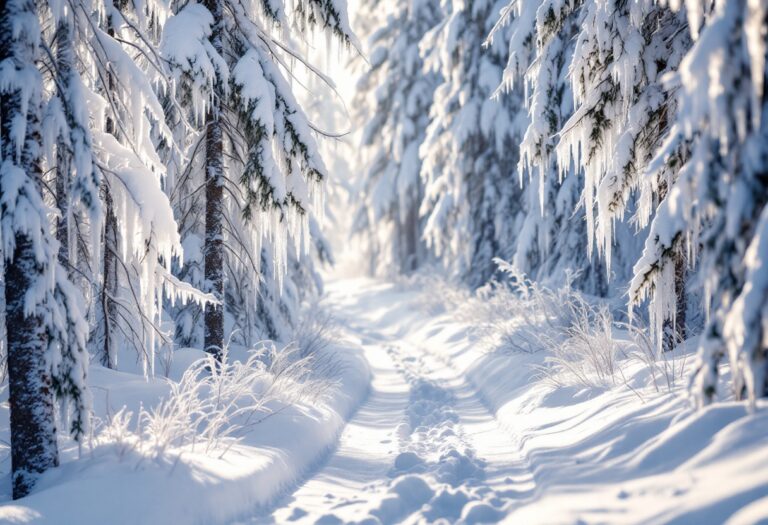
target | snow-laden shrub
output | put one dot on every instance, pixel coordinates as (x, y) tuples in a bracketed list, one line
[(215, 405), (445, 293), (595, 350), (584, 344), (312, 337), (514, 314), (583, 341), (317, 330), (667, 370), (586, 353)]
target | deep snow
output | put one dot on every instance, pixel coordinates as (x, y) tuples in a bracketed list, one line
[(456, 432), (117, 482), (448, 430)]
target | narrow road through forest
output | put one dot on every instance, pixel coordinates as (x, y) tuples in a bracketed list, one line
[(422, 447)]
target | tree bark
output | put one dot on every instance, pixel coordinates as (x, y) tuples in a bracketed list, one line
[(410, 235), (213, 252), (109, 282), (63, 154), (33, 430), (675, 330)]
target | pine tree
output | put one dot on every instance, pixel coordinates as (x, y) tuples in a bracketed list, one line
[(231, 69), (611, 56), (621, 53), (549, 246), (33, 430), (714, 207), (396, 94), (46, 347), (472, 199), (213, 251)]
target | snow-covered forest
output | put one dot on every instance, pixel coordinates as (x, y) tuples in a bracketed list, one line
[(391, 261)]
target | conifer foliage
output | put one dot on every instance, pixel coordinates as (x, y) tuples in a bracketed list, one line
[(470, 153), (637, 132), (260, 165), (399, 93), (161, 184), (47, 346), (121, 123)]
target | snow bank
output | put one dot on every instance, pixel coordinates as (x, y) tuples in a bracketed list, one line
[(632, 449), (623, 454), (114, 483)]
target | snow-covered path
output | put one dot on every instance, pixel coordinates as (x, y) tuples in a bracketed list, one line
[(423, 445)]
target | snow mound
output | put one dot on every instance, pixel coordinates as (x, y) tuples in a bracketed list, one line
[(188, 485)]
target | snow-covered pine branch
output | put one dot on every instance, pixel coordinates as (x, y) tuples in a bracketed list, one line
[(392, 105), (257, 157), (541, 40), (716, 204), (472, 196)]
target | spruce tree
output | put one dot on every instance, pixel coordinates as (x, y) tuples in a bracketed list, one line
[(472, 199), (550, 245), (714, 208), (393, 102), (262, 172), (46, 345)]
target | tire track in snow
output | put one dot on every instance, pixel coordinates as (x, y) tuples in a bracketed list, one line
[(423, 448), (360, 465), (437, 475)]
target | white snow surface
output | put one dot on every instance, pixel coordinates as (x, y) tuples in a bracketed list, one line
[(455, 433), (449, 430), (114, 483)]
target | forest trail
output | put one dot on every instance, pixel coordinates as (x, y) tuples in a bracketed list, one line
[(423, 445)]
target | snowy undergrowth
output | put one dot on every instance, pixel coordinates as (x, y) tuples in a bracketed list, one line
[(201, 447), (581, 342), (606, 430), (211, 412)]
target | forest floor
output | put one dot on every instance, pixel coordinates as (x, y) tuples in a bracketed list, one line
[(443, 409), (455, 432), (422, 445)]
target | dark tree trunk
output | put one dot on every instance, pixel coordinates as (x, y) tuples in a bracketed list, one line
[(410, 237), (213, 251), (109, 283), (64, 61), (675, 332), (214, 242), (33, 430)]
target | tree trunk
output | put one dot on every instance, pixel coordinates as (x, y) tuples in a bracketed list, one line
[(64, 61), (213, 251), (33, 429), (675, 330), (410, 234), (109, 279), (109, 285)]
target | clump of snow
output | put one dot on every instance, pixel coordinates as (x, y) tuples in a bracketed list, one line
[(204, 447)]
